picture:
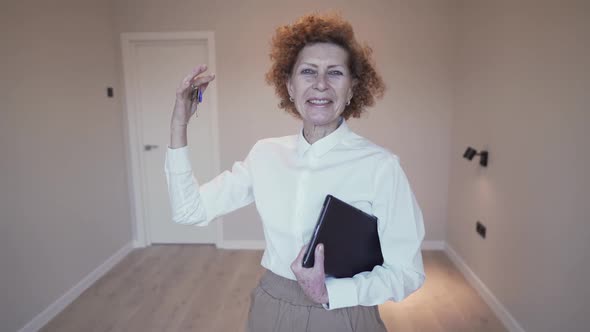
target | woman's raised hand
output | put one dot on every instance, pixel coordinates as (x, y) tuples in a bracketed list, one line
[(184, 107)]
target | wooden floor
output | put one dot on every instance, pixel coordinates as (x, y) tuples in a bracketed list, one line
[(201, 288)]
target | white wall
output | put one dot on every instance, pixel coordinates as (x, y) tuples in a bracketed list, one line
[(64, 205), (522, 92), (413, 48)]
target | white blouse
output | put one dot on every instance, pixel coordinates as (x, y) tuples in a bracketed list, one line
[(288, 180)]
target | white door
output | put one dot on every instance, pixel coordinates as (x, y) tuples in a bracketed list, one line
[(153, 69)]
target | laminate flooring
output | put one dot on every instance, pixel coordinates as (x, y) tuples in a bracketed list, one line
[(202, 288)]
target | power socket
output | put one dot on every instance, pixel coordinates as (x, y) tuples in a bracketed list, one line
[(480, 229)]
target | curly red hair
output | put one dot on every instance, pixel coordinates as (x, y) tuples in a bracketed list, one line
[(289, 40)]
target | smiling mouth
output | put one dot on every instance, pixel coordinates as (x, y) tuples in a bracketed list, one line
[(319, 102)]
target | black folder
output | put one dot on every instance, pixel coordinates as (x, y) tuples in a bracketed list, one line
[(350, 239)]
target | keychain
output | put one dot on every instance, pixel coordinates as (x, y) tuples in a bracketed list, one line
[(196, 96)]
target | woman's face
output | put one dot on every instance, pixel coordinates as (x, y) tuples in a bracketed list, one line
[(321, 83)]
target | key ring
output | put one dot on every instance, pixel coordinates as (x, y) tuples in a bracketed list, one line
[(196, 96)]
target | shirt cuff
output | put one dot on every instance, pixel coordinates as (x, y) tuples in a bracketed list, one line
[(341, 293), (177, 160)]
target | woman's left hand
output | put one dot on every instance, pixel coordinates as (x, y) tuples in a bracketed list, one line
[(312, 280)]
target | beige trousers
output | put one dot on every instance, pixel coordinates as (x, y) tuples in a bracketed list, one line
[(279, 305)]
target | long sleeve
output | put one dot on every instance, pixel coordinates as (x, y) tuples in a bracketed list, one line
[(401, 231), (192, 204)]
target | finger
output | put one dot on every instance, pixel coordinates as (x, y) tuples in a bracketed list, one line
[(203, 87), (301, 254), (187, 87), (199, 81), (196, 71), (297, 263), (319, 258), (186, 81)]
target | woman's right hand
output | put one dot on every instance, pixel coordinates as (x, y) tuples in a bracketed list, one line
[(183, 107)]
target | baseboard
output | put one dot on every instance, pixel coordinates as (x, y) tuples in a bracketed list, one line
[(501, 312), (433, 245), (56, 307), (138, 244), (242, 244)]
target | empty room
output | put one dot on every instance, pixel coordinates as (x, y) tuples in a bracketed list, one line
[(314, 166)]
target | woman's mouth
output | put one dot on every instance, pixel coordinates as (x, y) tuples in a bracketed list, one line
[(319, 102)]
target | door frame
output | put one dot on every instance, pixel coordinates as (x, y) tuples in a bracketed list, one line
[(141, 233)]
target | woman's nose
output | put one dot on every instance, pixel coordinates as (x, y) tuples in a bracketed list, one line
[(320, 82)]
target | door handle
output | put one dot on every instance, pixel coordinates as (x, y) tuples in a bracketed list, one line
[(149, 147)]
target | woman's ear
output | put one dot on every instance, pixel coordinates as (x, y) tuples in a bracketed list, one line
[(289, 87)]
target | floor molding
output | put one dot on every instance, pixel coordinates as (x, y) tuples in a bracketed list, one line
[(497, 307), (60, 304)]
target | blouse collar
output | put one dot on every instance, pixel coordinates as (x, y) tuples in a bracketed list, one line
[(325, 144)]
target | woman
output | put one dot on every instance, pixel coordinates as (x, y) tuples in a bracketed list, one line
[(323, 77)]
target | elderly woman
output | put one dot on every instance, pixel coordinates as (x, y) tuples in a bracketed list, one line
[(323, 76)]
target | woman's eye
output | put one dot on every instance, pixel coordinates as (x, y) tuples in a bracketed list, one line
[(307, 71), (336, 72)]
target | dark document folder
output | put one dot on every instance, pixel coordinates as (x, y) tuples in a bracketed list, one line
[(350, 238)]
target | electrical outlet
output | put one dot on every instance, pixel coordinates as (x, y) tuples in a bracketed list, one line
[(480, 229)]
